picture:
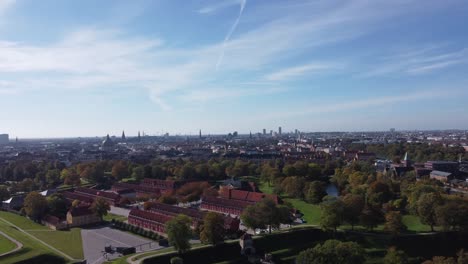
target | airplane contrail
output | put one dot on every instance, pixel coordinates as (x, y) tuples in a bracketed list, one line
[(228, 36)]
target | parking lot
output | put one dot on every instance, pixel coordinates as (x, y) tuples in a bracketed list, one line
[(95, 239)]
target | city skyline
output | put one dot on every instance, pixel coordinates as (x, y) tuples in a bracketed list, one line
[(92, 69)]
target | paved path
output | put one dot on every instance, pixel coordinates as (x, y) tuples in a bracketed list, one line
[(18, 244), (38, 240), (95, 239)]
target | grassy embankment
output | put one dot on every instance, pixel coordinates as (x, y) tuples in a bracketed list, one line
[(68, 242)]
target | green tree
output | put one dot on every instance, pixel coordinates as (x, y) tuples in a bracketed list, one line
[(332, 252), (100, 207), (35, 205), (138, 173), (177, 260), (315, 191), (120, 170), (179, 233), (353, 204), (426, 207), (53, 177), (370, 217), (265, 214), (332, 213), (57, 204), (212, 231), (4, 193), (394, 223), (395, 256), (453, 215)]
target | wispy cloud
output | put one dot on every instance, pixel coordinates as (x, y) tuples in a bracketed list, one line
[(419, 61), (228, 36), (218, 6), (298, 71), (372, 102), (5, 4)]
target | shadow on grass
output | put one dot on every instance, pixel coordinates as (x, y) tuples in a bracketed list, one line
[(44, 258)]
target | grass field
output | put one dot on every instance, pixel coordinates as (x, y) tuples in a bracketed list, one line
[(414, 224), (311, 211), (110, 216), (6, 245), (68, 242)]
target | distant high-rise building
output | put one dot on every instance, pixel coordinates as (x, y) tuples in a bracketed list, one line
[(279, 131), (123, 135), (4, 139), (139, 136), (199, 133), (296, 132), (271, 132), (264, 132)]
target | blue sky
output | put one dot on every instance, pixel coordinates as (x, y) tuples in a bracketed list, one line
[(88, 68)]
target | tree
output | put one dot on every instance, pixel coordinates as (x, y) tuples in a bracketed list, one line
[(212, 230), (100, 207), (4, 193), (453, 215), (395, 256), (167, 199), (315, 191), (394, 223), (177, 260), (35, 205), (265, 213), (138, 173), (70, 177), (332, 252), (426, 207), (120, 170), (179, 233), (332, 213), (352, 208), (53, 177), (57, 204), (370, 217)]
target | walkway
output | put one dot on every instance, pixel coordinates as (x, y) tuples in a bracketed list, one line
[(18, 244)]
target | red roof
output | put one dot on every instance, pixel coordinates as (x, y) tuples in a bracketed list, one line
[(80, 211), (71, 196), (159, 218), (226, 202), (162, 184), (247, 196)]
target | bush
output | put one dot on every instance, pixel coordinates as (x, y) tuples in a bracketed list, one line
[(177, 260)]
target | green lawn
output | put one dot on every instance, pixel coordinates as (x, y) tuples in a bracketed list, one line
[(6, 245), (68, 242), (311, 211), (414, 224), (31, 248), (110, 216), (22, 222)]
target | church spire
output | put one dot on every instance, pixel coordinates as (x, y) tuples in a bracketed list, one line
[(123, 135)]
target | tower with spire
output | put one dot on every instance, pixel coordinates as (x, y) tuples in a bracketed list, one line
[(139, 136), (123, 136), (406, 160), (199, 134)]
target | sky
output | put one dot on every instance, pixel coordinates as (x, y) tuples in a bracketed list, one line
[(90, 68)]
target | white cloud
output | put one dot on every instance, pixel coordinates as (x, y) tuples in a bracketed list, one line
[(297, 71), (218, 6)]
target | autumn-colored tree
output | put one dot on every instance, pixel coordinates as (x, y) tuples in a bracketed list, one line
[(394, 223), (179, 233), (212, 231), (100, 207), (35, 205)]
